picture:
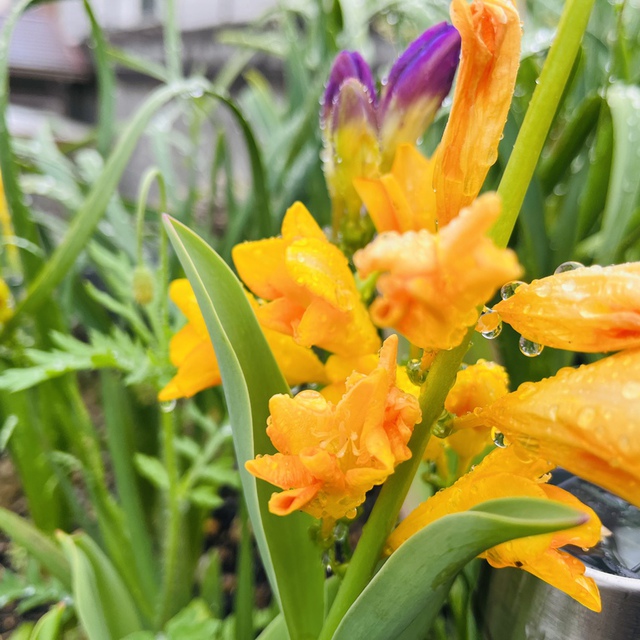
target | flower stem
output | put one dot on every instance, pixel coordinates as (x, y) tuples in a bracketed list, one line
[(442, 375), (542, 109)]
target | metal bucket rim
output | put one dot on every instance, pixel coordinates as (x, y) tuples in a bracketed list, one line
[(611, 581)]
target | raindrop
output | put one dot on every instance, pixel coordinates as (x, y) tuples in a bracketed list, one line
[(489, 324), (498, 438), (631, 391), (168, 407), (509, 289), (417, 375), (341, 531), (529, 348), (585, 417), (444, 425), (352, 513), (568, 266)]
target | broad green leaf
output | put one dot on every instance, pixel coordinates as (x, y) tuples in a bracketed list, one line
[(624, 186), (193, 622), (411, 587), (48, 627), (205, 497), (153, 470), (86, 595), (37, 544), (250, 377), (116, 600)]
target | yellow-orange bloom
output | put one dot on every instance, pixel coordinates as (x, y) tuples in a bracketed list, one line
[(490, 32), (503, 474), (590, 309), (584, 419), (402, 200), (192, 352), (6, 302), (331, 455), (309, 287), (430, 283)]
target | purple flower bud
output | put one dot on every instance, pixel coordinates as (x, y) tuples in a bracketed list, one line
[(348, 64), (418, 83)]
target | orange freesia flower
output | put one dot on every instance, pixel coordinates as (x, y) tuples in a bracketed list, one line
[(490, 32), (309, 287), (590, 309), (331, 455), (402, 200), (503, 474), (584, 419), (431, 284), (192, 352)]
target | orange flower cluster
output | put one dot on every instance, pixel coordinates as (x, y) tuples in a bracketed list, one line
[(331, 455), (431, 284)]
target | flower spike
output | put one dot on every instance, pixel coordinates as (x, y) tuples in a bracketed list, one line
[(491, 32), (418, 83)]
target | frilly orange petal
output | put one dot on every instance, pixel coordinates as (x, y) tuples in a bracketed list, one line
[(584, 419), (591, 309), (341, 449), (286, 502), (402, 200), (491, 32), (431, 284)]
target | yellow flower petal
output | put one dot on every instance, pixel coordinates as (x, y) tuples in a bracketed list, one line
[(490, 31), (192, 352), (310, 291), (592, 309), (504, 474), (431, 284), (342, 450), (584, 419)]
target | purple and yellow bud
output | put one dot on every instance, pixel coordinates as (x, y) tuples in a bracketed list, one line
[(351, 149), (418, 83)]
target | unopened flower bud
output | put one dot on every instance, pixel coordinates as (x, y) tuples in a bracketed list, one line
[(143, 285), (418, 83)]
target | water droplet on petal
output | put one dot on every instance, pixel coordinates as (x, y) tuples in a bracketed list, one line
[(444, 425), (352, 513), (416, 373), (489, 324), (498, 438), (529, 348), (631, 390), (509, 289), (168, 407), (585, 417), (568, 266)]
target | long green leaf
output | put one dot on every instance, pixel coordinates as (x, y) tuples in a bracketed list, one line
[(624, 187), (86, 595), (37, 544), (250, 377), (117, 604), (106, 83), (414, 582), (95, 203), (48, 627)]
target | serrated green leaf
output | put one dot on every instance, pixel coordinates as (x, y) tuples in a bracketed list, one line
[(250, 377), (413, 584), (205, 497), (193, 622), (153, 470)]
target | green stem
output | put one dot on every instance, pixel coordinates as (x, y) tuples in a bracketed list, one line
[(172, 42), (169, 598), (542, 109), (441, 377), (151, 175)]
